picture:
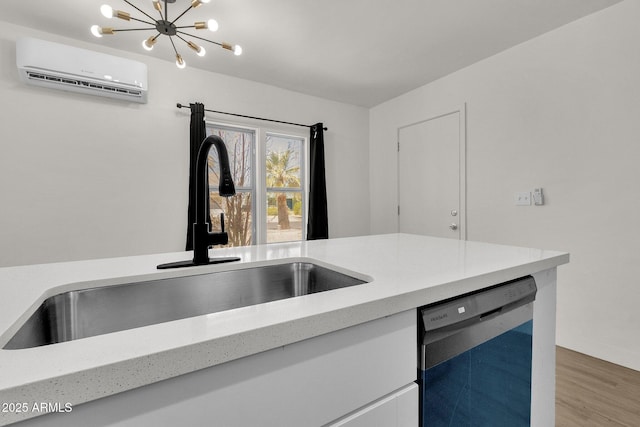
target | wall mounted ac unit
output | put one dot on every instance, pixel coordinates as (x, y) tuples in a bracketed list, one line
[(54, 65)]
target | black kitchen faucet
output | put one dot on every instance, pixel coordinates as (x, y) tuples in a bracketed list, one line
[(203, 238)]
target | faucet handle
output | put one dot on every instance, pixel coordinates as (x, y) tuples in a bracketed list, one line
[(222, 222)]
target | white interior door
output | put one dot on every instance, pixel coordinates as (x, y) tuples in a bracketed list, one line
[(431, 176)]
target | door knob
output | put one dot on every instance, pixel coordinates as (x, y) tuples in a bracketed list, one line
[(453, 226)]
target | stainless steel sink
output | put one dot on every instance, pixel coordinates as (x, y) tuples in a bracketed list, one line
[(95, 311)]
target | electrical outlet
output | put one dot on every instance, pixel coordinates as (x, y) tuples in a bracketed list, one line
[(523, 198)]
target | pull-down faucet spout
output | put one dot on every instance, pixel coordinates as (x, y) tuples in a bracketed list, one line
[(203, 238), (225, 186)]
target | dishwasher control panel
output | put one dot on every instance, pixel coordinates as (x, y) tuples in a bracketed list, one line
[(479, 305)]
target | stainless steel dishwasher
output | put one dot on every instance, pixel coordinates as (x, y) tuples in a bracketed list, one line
[(475, 358)]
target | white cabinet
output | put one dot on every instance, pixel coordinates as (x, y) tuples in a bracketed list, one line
[(308, 383), (400, 409), (543, 374)]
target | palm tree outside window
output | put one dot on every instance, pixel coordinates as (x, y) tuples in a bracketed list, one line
[(285, 196)]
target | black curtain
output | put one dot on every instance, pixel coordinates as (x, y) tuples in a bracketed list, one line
[(318, 227), (197, 135)]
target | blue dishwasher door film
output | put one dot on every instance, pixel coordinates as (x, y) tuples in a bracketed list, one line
[(488, 385)]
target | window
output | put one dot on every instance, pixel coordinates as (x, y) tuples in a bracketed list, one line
[(284, 187), (268, 170)]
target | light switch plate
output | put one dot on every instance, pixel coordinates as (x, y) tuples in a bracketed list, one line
[(538, 197), (523, 198)]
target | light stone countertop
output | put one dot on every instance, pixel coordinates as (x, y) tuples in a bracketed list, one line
[(406, 271)]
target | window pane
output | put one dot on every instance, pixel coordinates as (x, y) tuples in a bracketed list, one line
[(238, 210), (238, 216), (239, 145), (283, 161), (284, 216)]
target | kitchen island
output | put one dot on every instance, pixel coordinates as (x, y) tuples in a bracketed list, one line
[(140, 368)]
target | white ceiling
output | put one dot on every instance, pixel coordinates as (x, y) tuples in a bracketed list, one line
[(361, 52)]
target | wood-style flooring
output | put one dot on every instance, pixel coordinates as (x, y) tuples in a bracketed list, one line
[(593, 393)]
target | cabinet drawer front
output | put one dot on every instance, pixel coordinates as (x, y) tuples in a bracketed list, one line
[(308, 383), (399, 409)]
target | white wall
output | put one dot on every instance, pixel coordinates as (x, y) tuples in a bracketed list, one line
[(86, 177), (561, 112)]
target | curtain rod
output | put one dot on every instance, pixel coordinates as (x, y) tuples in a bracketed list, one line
[(179, 105)]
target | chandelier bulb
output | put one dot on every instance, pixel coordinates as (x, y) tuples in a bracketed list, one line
[(180, 62), (196, 3), (106, 10), (211, 24), (157, 5), (148, 43), (237, 50), (200, 51), (99, 31), (96, 30)]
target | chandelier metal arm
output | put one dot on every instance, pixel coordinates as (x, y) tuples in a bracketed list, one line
[(117, 30), (143, 21), (159, 9), (182, 38), (161, 15), (199, 38), (139, 10), (180, 16), (174, 46)]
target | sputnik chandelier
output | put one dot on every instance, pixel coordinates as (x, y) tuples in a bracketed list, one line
[(164, 26)]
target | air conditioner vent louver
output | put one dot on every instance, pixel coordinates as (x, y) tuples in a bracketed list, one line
[(82, 83), (58, 66)]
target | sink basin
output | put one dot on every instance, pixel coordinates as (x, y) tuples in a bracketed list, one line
[(101, 310)]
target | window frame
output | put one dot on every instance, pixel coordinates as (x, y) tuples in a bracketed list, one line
[(253, 190), (304, 189), (260, 189)]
